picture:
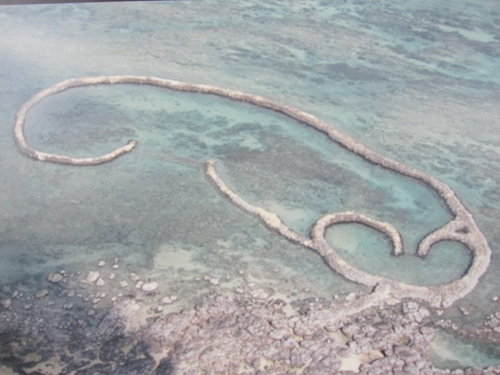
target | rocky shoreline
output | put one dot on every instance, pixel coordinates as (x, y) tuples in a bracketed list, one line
[(94, 324)]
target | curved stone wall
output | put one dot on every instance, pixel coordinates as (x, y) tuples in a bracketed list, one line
[(461, 228)]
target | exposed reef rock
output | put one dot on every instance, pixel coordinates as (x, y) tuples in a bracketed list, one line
[(70, 332)]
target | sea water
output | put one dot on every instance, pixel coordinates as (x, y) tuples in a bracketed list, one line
[(417, 81)]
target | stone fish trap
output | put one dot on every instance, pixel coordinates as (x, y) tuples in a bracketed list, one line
[(462, 228)]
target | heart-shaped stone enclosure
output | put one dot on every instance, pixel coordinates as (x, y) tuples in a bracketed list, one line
[(462, 228)]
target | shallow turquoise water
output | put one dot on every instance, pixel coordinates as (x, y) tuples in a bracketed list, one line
[(449, 352), (417, 81)]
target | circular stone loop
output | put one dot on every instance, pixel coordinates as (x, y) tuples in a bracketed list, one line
[(383, 227), (335, 261)]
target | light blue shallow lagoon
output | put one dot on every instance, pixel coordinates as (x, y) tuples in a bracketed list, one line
[(417, 81)]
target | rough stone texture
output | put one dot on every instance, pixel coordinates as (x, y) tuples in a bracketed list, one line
[(238, 334), (149, 287), (91, 277), (225, 335), (55, 277)]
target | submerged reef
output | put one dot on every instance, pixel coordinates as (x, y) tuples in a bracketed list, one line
[(383, 331)]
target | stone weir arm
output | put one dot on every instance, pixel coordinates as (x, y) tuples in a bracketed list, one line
[(269, 218)]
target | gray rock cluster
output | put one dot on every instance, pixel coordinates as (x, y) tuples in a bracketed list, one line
[(229, 336), (109, 333)]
